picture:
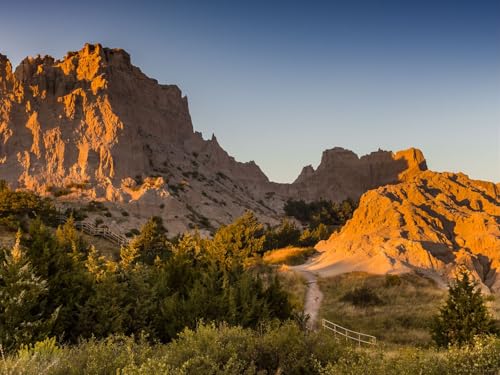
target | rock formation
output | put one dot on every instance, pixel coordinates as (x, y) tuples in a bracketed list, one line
[(93, 126), (431, 222), (342, 174)]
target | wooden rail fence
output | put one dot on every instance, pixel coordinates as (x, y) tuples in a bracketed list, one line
[(349, 334), (94, 230)]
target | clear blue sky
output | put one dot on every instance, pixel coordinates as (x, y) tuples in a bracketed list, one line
[(280, 81)]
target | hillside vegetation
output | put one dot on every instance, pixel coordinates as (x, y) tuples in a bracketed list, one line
[(395, 309), (193, 305)]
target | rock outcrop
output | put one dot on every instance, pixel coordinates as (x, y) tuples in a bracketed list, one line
[(432, 223), (93, 126), (342, 174)]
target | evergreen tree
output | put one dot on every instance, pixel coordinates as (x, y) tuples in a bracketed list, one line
[(60, 261), (286, 234), (151, 242), (238, 241), (69, 239), (23, 316), (128, 256), (463, 316)]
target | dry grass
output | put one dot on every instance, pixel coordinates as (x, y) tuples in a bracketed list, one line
[(295, 285), (402, 319), (290, 256)]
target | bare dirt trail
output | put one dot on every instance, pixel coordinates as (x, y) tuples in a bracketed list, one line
[(313, 296)]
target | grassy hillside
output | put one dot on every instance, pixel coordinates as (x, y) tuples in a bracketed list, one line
[(395, 309)]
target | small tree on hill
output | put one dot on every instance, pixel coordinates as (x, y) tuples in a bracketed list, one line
[(463, 316), (151, 242), (23, 317), (238, 241)]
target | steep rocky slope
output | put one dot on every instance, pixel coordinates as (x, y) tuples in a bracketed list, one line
[(342, 174), (93, 126), (432, 222)]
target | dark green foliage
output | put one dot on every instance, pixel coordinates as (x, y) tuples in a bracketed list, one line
[(24, 315), (311, 237), (392, 280), (59, 260), (464, 315), (15, 206), (156, 287), (151, 242), (242, 239), (362, 297), (286, 234), (326, 212)]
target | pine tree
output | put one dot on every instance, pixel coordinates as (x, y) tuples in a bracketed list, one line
[(23, 319), (59, 260), (463, 316), (151, 242), (236, 242), (128, 256)]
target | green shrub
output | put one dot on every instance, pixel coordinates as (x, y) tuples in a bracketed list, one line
[(272, 349), (464, 315), (392, 281), (362, 297)]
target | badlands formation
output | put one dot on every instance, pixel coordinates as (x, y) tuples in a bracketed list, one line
[(92, 126), (431, 222)]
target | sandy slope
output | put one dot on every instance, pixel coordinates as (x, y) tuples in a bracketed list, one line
[(433, 223)]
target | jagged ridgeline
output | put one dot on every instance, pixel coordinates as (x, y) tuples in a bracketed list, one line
[(93, 126)]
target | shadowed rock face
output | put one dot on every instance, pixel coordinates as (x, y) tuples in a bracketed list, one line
[(432, 222), (93, 126), (342, 174)]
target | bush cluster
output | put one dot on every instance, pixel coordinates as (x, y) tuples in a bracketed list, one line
[(274, 348), (319, 212), (69, 291)]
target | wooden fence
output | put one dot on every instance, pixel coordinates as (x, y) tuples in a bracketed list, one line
[(94, 230), (349, 334)]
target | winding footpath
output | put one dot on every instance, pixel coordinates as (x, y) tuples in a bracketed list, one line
[(313, 296)]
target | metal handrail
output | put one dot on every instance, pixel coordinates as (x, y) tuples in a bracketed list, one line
[(349, 334)]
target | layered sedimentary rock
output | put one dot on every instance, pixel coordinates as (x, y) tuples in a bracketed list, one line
[(93, 126), (432, 222), (342, 174)]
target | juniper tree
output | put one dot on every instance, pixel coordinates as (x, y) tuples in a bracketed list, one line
[(151, 242), (23, 315), (464, 314)]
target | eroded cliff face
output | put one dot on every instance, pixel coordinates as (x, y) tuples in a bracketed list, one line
[(92, 126), (342, 174), (63, 120), (432, 222)]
